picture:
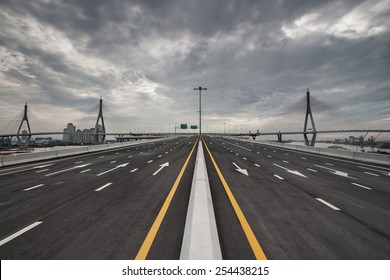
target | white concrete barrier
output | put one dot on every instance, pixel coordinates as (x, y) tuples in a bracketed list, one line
[(23, 158), (200, 240)]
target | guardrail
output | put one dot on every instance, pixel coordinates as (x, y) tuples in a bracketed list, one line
[(31, 157), (200, 240)]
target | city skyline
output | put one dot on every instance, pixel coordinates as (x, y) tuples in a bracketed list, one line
[(144, 58)]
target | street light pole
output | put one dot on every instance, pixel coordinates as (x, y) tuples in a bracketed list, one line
[(200, 108)]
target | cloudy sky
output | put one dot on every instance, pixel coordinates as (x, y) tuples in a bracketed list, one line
[(145, 57)]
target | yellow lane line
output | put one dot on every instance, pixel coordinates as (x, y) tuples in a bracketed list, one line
[(256, 248), (144, 250)]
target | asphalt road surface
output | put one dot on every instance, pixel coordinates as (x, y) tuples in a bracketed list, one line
[(131, 203), (298, 205)]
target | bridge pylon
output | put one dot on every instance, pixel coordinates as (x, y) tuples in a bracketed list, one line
[(313, 126), (100, 130), (23, 143)]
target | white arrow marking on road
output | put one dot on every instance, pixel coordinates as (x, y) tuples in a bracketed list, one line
[(112, 169), (291, 171), (239, 169), (161, 167), (61, 171)]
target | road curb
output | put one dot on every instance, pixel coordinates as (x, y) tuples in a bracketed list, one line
[(200, 240)]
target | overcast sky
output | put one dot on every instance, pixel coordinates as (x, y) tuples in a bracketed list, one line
[(145, 57)]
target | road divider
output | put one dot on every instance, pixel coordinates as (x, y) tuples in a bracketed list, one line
[(200, 240)]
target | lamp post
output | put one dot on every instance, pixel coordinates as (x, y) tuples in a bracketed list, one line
[(200, 108)]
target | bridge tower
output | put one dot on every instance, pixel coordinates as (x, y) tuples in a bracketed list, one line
[(24, 138), (313, 126), (100, 130)]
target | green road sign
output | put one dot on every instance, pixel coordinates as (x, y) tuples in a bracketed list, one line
[(194, 127), (183, 126)]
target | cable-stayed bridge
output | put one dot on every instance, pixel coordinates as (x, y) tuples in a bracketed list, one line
[(311, 116), (164, 198), (308, 117)]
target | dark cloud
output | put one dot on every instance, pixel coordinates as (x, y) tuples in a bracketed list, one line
[(256, 57)]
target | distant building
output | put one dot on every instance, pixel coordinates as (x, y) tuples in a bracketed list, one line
[(85, 136), (69, 134)]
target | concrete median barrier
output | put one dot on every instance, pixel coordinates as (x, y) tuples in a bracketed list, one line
[(200, 240)]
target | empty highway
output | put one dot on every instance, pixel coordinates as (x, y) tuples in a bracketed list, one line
[(131, 203)]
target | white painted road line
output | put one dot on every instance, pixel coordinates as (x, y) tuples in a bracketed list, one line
[(372, 174), (42, 166), (150, 161), (285, 161), (240, 147), (303, 158), (20, 232), (77, 162), (129, 156), (277, 176), (113, 161), (86, 170), (384, 172), (312, 170), (328, 204), (257, 165), (364, 187), (135, 169), (31, 188), (245, 158), (42, 170), (101, 157), (327, 163), (335, 172), (236, 154), (269, 156), (160, 156), (102, 187)]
